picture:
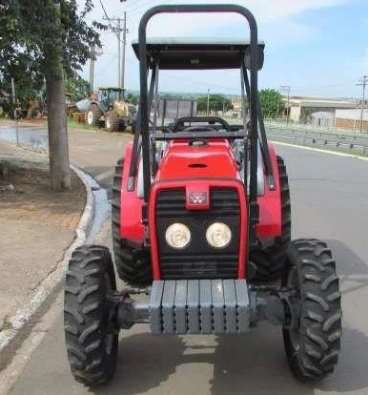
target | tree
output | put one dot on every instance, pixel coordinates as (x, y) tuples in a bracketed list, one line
[(216, 103), (55, 38), (132, 98), (77, 87), (271, 103)]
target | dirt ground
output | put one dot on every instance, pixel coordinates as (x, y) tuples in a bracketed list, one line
[(33, 200), (36, 226)]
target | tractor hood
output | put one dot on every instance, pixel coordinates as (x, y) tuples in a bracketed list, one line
[(197, 160)]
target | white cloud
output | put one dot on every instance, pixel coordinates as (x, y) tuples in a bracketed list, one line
[(277, 21)]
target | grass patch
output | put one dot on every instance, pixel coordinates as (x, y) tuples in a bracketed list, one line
[(80, 125)]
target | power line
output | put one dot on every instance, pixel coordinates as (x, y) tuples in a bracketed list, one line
[(104, 10)]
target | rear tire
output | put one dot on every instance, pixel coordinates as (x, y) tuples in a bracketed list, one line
[(90, 337), (268, 264), (93, 115), (132, 264), (312, 348), (112, 122)]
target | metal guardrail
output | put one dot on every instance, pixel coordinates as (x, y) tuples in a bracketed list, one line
[(355, 144), (314, 128), (28, 137)]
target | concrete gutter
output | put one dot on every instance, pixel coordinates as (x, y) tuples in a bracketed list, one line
[(23, 316)]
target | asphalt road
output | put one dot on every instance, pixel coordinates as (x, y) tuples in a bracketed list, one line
[(330, 201)]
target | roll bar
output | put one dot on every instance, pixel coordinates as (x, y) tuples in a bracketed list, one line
[(253, 66), (144, 122)]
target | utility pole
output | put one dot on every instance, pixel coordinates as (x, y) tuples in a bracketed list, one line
[(125, 31), (120, 26), (287, 88), (208, 102), (14, 101), (94, 52), (117, 30), (92, 68), (363, 83)]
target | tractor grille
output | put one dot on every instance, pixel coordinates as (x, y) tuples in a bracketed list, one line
[(198, 260)]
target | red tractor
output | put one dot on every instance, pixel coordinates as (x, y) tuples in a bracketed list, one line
[(201, 226)]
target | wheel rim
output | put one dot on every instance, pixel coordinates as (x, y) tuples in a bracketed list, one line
[(90, 118)]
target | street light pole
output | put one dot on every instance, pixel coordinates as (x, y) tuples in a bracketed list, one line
[(363, 83), (125, 30), (288, 89), (208, 102)]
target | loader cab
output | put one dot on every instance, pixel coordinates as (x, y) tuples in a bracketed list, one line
[(108, 96)]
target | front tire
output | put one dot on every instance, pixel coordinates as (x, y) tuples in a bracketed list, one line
[(90, 337), (312, 345)]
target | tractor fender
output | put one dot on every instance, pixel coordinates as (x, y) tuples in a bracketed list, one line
[(270, 220), (131, 227)]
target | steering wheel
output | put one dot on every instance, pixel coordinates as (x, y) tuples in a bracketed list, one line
[(179, 124)]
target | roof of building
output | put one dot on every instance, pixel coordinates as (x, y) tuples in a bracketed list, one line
[(322, 102), (198, 54), (352, 114)]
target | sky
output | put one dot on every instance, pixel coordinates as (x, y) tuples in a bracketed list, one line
[(317, 47)]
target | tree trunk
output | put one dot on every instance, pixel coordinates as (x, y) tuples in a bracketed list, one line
[(58, 135)]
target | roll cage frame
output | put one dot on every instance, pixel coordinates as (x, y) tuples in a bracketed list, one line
[(252, 134)]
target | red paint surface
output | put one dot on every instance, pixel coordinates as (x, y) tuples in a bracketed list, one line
[(214, 166), (270, 205), (131, 227), (183, 161)]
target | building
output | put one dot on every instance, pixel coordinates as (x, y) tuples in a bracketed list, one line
[(352, 119), (317, 111)]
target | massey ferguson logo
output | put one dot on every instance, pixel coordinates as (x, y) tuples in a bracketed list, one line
[(198, 197)]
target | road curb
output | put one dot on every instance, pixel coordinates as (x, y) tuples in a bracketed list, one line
[(324, 151), (24, 315)]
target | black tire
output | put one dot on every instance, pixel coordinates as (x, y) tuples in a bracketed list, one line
[(91, 340), (112, 122), (133, 265), (122, 124), (268, 264), (93, 115), (312, 348)]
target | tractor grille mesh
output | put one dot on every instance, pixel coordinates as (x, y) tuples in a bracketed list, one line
[(198, 260)]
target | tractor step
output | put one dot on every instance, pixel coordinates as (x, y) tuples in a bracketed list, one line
[(199, 307)]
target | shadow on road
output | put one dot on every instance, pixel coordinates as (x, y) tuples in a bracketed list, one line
[(348, 262), (253, 363), (352, 270), (351, 373)]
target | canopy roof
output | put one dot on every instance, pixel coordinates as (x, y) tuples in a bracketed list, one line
[(197, 54)]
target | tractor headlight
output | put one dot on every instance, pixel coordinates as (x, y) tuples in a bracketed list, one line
[(218, 235), (177, 235)]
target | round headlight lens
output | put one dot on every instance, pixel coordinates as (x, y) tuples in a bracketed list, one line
[(177, 235), (218, 235)]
